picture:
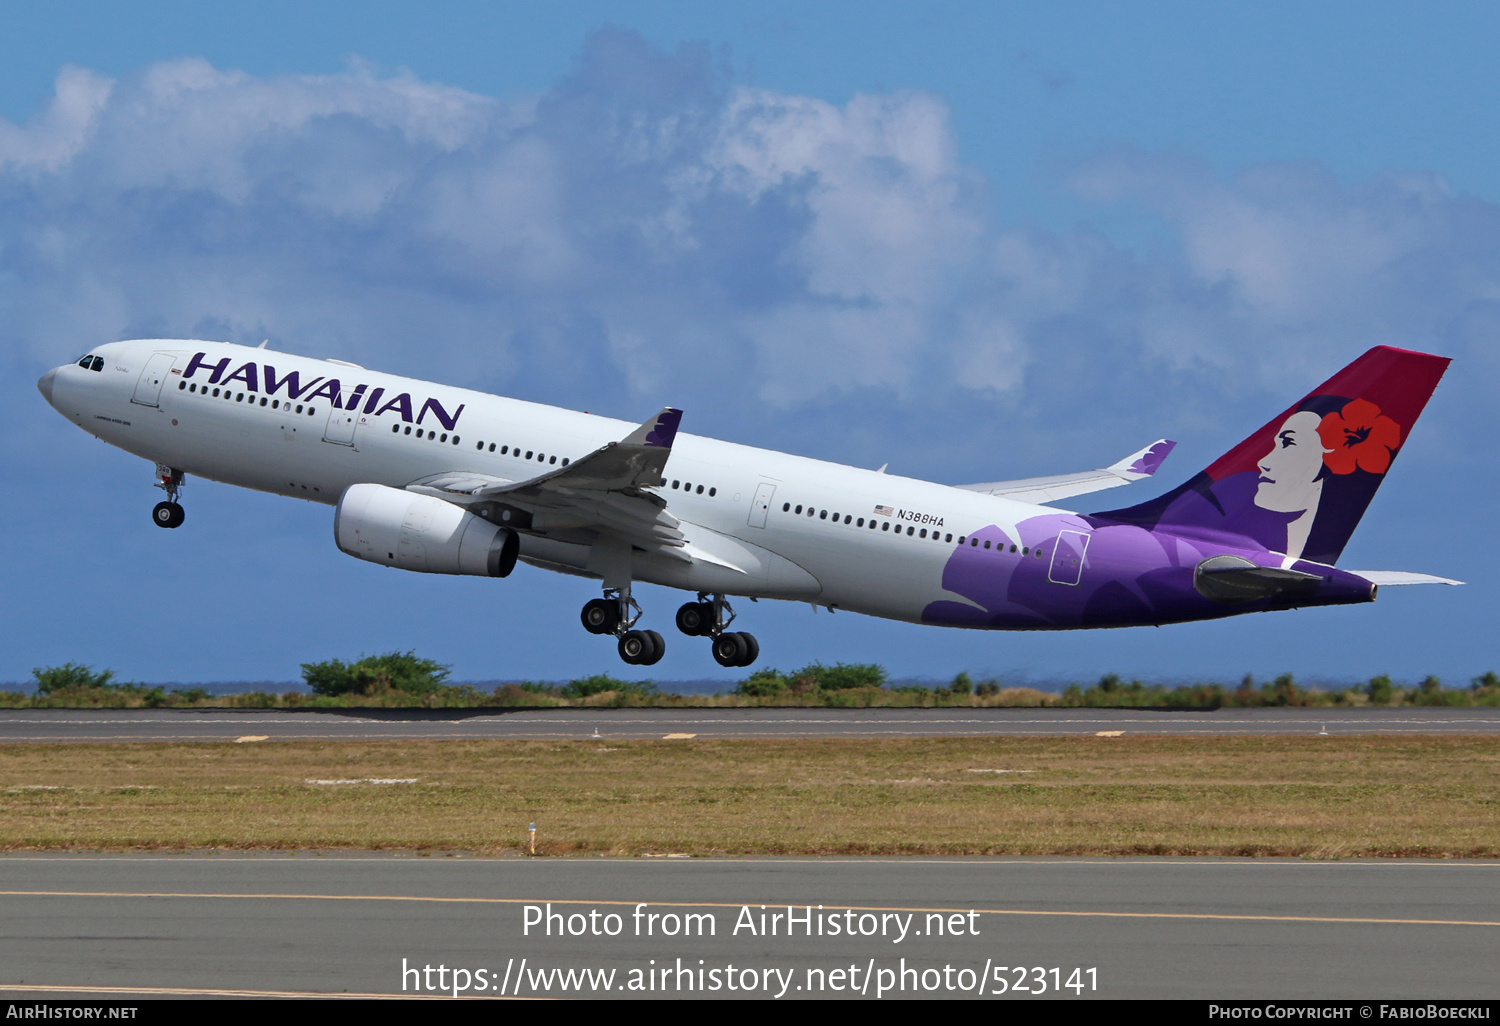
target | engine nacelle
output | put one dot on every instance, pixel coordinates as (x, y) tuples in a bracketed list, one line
[(419, 532)]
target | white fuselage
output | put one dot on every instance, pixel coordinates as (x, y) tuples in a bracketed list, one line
[(212, 418)]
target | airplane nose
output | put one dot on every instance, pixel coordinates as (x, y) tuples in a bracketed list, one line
[(44, 385)]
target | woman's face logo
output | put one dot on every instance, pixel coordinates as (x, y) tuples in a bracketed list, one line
[(1289, 473)]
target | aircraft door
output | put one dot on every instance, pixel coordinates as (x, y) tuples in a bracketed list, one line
[(148, 388), (340, 428), (760, 506), (1067, 557)]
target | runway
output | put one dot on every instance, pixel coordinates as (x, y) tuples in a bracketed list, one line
[(69, 725), (334, 924)]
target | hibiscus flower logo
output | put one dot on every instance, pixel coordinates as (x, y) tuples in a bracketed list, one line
[(1359, 436)]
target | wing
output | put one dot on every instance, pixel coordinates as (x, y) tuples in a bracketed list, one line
[(609, 491), (1061, 486)]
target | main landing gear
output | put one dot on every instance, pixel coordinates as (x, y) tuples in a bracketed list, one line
[(169, 513), (616, 614), (706, 618)]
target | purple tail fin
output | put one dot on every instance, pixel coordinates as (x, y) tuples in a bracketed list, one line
[(1300, 484)]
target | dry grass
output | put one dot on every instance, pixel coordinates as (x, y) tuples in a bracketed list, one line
[(1308, 796)]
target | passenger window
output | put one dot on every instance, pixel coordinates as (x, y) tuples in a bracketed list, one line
[(505, 450), (263, 400), (408, 429), (886, 526), (687, 486), (986, 544), (860, 522), (949, 538), (566, 461), (552, 460), (455, 439), (395, 429), (240, 398), (700, 489), (799, 509), (675, 484), (923, 534), (181, 385), (1024, 552), (492, 447), (311, 410), (479, 446), (810, 511), (193, 387), (847, 518), (786, 507), (1012, 549), (275, 404), (823, 514), (528, 454), (712, 492), (910, 531), (216, 393), (443, 439)]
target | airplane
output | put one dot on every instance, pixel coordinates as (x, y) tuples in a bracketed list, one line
[(437, 479)]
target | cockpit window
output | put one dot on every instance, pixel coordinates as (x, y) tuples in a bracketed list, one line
[(97, 363), (84, 363)]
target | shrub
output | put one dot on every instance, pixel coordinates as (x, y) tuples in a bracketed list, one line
[(69, 675), (843, 676), (764, 683), (393, 671), (602, 682), (1380, 690), (963, 684)]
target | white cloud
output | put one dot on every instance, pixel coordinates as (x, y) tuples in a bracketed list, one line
[(648, 229)]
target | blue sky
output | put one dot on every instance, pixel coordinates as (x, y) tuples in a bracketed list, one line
[(973, 241)]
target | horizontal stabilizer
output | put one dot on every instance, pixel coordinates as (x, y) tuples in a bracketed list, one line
[(1061, 486), (1386, 578)]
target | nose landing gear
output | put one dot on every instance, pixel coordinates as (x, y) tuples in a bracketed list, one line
[(169, 513), (706, 618)]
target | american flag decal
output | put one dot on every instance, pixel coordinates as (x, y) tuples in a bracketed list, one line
[(885, 511)]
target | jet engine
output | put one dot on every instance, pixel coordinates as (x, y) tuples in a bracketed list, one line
[(419, 532)]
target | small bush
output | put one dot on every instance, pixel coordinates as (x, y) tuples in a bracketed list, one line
[(69, 675), (393, 671), (764, 683), (1380, 690), (599, 683)]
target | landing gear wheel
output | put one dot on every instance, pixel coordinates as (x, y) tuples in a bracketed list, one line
[(600, 616), (659, 648), (695, 619), (752, 649), (639, 648), (167, 514), (730, 649)]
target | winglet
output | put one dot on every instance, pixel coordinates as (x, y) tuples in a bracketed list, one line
[(1145, 462), (657, 432)]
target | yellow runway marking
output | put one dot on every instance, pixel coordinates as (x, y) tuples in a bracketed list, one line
[(1217, 916)]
